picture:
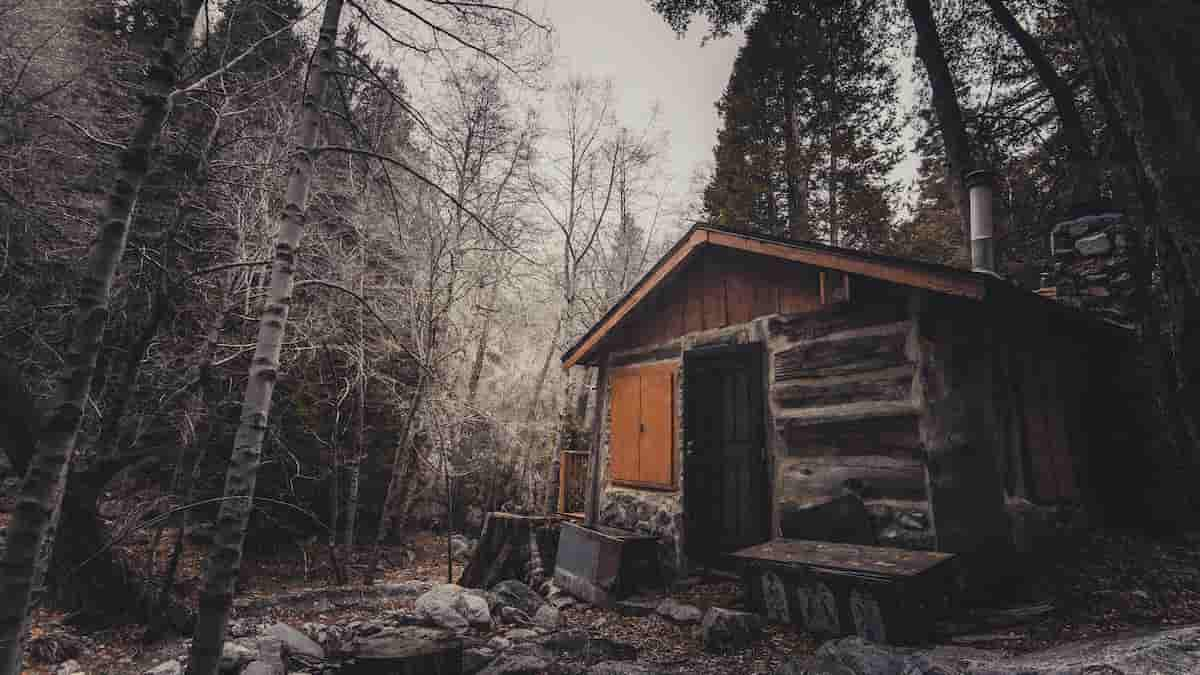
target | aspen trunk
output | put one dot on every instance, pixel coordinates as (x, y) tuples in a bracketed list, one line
[(354, 479), (42, 489), (949, 113), (481, 348), (225, 557)]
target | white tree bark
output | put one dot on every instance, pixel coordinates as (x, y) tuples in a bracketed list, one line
[(225, 557), (45, 481)]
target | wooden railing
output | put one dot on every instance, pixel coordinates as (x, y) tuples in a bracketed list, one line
[(572, 482)]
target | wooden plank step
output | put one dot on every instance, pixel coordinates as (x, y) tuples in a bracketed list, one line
[(853, 558)]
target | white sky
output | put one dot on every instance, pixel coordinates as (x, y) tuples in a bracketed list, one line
[(626, 41)]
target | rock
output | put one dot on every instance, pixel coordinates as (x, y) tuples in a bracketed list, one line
[(620, 668), (411, 649), (521, 634), (726, 630), (913, 520), (68, 668), (562, 602), (476, 659), (270, 653), (512, 593), (1096, 244), (499, 644), (234, 656), (406, 589), (679, 612), (576, 644), (260, 668), (516, 665), (811, 665), (866, 658), (171, 667), (844, 519), (636, 606), (295, 643), (461, 548), (450, 607), (239, 629), (548, 617), (513, 615)]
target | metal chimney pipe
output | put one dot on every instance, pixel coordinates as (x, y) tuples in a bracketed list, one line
[(983, 252)]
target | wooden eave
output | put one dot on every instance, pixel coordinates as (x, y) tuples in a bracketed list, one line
[(936, 278)]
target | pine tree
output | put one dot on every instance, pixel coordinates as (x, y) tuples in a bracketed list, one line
[(808, 127)]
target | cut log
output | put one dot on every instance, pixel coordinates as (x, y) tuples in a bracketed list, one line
[(512, 547)]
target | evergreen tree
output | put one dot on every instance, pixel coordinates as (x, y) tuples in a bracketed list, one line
[(808, 126)]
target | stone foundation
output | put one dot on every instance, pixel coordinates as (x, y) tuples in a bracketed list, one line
[(644, 512)]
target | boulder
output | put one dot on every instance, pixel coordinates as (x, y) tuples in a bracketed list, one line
[(171, 667), (461, 548), (678, 611), (499, 643), (548, 617), (452, 608), (295, 643), (636, 606), (406, 589), (521, 634), (726, 630), (512, 593), (812, 665), (868, 658), (577, 644), (270, 654), (260, 668), (514, 616), (68, 668), (620, 668), (516, 664), (1096, 244), (234, 655), (843, 519), (476, 659), (411, 649)]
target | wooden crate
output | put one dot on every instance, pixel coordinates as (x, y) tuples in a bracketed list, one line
[(884, 595)]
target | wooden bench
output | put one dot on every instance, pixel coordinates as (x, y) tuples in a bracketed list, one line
[(885, 595)]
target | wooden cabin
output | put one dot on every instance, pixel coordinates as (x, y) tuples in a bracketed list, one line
[(752, 388)]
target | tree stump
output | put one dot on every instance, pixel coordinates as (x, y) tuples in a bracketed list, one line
[(513, 547)]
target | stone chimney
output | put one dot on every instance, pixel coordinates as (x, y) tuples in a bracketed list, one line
[(1093, 265)]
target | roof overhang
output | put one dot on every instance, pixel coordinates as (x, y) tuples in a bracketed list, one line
[(936, 278)]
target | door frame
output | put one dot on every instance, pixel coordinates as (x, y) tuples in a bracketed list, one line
[(757, 352)]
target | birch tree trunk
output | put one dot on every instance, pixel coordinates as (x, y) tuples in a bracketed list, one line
[(42, 489), (354, 480), (225, 557)]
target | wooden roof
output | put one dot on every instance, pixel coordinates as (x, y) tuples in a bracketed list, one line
[(937, 278)]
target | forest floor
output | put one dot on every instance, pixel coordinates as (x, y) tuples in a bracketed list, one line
[(1104, 585)]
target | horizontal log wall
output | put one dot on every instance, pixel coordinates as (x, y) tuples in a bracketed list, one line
[(845, 417)]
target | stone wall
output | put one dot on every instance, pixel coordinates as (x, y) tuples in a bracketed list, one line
[(645, 512), (1093, 266)]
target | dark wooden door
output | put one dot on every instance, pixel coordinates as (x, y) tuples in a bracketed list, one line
[(725, 469)]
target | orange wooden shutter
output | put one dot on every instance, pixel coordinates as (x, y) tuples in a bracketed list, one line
[(656, 458), (626, 426)]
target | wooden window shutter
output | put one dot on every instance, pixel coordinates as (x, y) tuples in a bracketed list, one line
[(626, 426), (657, 447), (642, 441)]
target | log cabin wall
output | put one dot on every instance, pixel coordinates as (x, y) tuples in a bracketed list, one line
[(845, 417)]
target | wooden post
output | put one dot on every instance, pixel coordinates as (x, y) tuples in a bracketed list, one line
[(599, 417), (958, 427), (562, 480)]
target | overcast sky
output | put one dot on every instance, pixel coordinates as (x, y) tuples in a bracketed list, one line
[(626, 41)]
